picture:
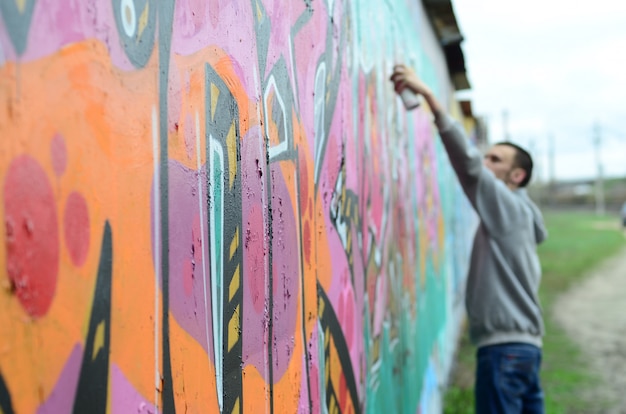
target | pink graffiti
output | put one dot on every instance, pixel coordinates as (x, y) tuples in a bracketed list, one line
[(426, 180), (76, 228), (61, 399), (187, 271), (125, 398)]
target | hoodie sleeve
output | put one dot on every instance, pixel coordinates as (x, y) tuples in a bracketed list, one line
[(541, 233), (497, 206)]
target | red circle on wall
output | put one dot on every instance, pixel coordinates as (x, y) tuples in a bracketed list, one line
[(32, 235)]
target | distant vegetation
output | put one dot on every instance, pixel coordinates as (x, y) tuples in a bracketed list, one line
[(579, 194)]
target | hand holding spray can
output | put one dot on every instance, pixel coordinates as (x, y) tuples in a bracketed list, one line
[(410, 99)]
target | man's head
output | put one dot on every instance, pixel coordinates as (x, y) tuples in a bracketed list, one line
[(510, 163)]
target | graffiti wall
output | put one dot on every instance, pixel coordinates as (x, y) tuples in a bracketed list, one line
[(221, 206)]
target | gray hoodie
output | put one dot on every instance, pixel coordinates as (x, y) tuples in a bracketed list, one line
[(504, 275)]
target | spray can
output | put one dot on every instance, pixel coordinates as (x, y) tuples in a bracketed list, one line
[(410, 99)]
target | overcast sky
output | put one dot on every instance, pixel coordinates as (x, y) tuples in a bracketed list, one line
[(556, 67)]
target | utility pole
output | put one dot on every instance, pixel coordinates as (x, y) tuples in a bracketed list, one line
[(534, 152), (551, 185), (599, 188), (538, 182), (552, 175)]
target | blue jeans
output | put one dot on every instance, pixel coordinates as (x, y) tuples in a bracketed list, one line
[(507, 379)]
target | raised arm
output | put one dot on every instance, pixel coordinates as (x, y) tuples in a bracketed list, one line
[(403, 77), (495, 203)]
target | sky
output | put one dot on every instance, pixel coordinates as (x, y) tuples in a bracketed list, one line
[(544, 72)]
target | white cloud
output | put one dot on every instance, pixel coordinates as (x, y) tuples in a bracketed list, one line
[(556, 67)]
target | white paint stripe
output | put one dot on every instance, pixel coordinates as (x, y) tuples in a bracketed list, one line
[(200, 199), (275, 150), (217, 273), (128, 15), (157, 257), (331, 7), (318, 108)]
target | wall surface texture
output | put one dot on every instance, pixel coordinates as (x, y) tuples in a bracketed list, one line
[(221, 206)]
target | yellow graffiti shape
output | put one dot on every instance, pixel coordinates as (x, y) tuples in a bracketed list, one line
[(233, 329), (143, 19), (21, 5), (98, 342), (234, 284), (215, 93)]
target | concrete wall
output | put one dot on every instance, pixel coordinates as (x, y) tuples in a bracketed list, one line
[(221, 206)]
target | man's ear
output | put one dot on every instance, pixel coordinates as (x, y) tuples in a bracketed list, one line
[(517, 175)]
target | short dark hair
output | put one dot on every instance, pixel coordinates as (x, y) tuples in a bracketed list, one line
[(522, 160)]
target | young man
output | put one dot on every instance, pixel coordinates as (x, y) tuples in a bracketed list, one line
[(501, 299)]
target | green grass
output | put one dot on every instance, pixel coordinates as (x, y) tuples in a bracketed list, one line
[(577, 242)]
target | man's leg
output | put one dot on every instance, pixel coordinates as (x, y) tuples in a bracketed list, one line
[(507, 379), (533, 399)]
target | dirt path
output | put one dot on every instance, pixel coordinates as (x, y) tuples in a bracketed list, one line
[(593, 313)]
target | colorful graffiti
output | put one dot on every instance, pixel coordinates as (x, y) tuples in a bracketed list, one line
[(221, 207)]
